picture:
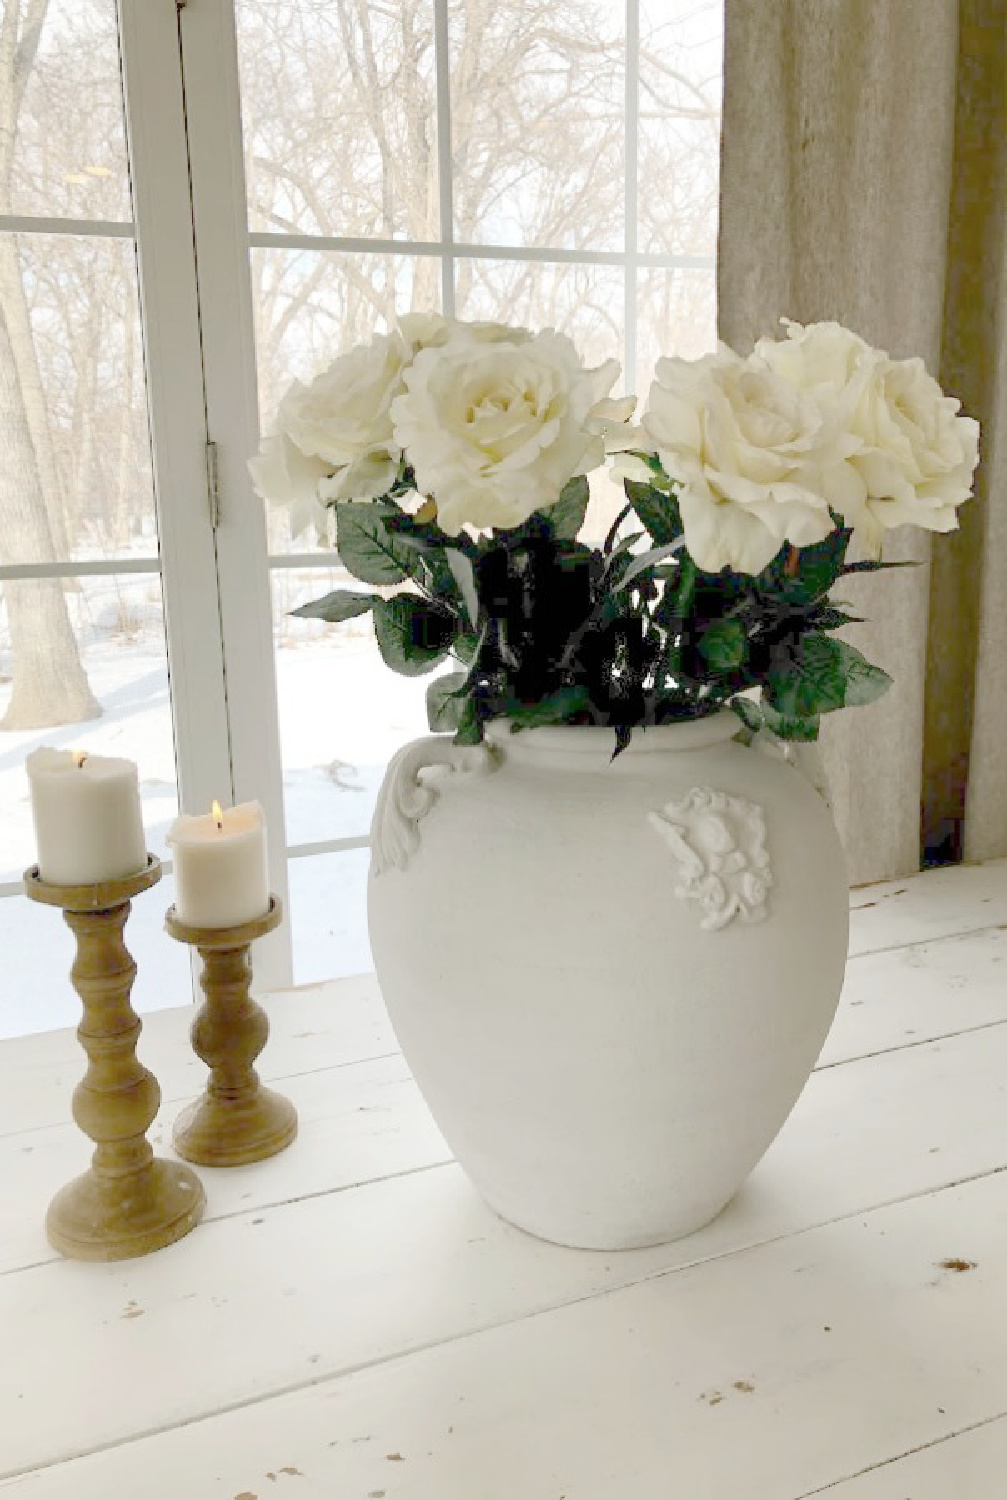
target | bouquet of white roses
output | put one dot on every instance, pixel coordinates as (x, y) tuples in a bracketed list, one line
[(455, 456)]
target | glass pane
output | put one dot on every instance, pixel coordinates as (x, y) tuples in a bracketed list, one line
[(677, 315), (86, 663), (343, 713), (681, 66), (76, 452), (338, 103), (328, 916), (584, 302), (312, 305), (538, 136), (69, 148)]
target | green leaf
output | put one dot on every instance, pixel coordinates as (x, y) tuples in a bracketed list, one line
[(724, 645), (467, 644), (647, 560), (413, 634), (875, 565), (464, 576), (557, 708), (827, 617), (749, 713), (824, 674), (444, 706), (470, 729), (343, 604), (366, 546), (819, 565), (566, 517), (658, 512), (788, 727)]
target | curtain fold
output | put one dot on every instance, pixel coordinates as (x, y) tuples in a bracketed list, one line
[(862, 179)]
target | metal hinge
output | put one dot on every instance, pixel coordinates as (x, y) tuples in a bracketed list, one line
[(212, 484)]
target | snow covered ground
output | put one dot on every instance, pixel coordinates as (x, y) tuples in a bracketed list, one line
[(342, 715)]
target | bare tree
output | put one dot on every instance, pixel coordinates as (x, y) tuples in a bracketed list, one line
[(49, 684)]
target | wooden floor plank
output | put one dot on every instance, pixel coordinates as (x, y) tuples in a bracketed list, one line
[(319, 1026), (342, 1021), (902, 997), (890, 999), (762, 1376), (969, 1466), (934, 904), (273, 1296)]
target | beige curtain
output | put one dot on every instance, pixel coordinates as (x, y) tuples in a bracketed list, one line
[(864, 178)]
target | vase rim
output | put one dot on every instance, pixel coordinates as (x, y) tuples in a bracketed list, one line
[(599, 740)]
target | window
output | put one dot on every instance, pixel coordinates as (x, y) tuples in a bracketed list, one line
[(552, 162)]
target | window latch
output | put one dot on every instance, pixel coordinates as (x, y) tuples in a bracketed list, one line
[(212, 484)]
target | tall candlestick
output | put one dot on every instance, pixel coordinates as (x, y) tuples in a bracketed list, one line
[(87, 816), (221, 878)]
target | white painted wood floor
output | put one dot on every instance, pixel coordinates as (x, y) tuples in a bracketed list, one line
[(350, 1323)]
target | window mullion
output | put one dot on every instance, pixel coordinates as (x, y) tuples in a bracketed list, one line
[(155, 127), (213, 116), (445, 170), (631, 127)]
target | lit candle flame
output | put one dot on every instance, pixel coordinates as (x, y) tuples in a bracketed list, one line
[(79, 757), (218, 815)]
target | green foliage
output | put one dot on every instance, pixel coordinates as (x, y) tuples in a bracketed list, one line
[(342, 604), (657, 510), (445, 705), (823, 675), (556, 708), (566, 517), (724, 645), (413, 634), (551, 631), (368, 548)]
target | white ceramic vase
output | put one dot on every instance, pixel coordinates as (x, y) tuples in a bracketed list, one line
[(611, 979)]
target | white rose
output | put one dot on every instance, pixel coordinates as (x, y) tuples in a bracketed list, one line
[(738, 442), (815, 358), (431, 330), (896, 451), (915, 457), (494, 429), (283, 475), (343, 417)]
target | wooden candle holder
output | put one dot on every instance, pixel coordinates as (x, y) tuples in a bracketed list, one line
[(129, 1202), (236, 1120)]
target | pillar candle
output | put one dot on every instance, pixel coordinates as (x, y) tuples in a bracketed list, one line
[(221, 878), (86, 811)]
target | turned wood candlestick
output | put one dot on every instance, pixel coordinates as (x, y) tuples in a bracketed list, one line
[(236, 1120), (129, 1202)]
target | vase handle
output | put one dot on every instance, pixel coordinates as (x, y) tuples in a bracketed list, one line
[(407, 795)]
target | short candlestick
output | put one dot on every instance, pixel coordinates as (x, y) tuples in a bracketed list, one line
[(236, 1120), (129, 1202)]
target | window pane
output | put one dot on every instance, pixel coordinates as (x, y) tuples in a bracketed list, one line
[(338, 102), (584, 302), (70, 150), (537, 89), (96, 651), (677, 313), (312, 305), (343, 713), (76, 450), (328, 916), (681, 63)]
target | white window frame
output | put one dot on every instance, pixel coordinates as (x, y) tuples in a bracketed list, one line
[(223, 240)]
